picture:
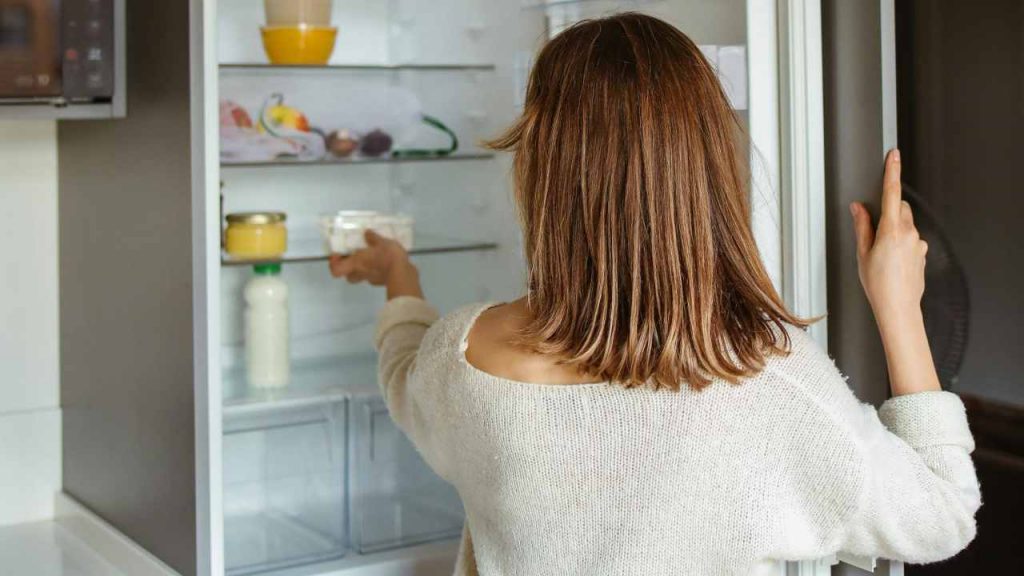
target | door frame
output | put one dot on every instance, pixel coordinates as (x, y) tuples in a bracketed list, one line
[(206, 215), (787, 131)]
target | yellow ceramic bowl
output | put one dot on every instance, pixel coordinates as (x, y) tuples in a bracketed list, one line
[(299, 45)]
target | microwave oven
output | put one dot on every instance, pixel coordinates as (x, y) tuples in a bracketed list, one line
[(62, 54)]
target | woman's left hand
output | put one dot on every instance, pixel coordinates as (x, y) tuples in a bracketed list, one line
[(384, 262)]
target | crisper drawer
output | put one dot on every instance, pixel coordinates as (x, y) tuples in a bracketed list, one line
[(396, 499), (284, 487)]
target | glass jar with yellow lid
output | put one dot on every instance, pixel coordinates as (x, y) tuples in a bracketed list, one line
[(256, 235)]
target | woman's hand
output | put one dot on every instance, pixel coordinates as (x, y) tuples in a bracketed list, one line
[(384, 262), (891, 263), (891, 259)]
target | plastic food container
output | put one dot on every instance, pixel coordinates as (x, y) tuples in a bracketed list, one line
[(397, 500), (256, 235), (284, 477), (302, 45), (297, 12), (344, 232)]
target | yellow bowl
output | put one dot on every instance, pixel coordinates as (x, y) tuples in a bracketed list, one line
[(299, 45)]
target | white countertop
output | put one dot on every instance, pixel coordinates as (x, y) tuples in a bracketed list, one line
[(48, 549), (75, 542)]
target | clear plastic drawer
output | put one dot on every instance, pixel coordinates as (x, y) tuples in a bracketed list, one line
[(397, 500), (284, 487)]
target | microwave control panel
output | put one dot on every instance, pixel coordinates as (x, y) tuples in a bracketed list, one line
[(87, 50)]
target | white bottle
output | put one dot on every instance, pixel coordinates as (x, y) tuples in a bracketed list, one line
[(266, 328)]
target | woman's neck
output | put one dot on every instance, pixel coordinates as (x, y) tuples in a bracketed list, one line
[(494, 348)]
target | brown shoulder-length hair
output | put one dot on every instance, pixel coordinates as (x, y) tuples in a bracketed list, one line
[(642, 266)]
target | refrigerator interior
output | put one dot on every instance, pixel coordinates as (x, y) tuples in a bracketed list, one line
[(317, 478)]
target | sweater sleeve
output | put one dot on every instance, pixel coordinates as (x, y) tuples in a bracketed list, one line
[(905, 468), (401, 327), (919, 491)]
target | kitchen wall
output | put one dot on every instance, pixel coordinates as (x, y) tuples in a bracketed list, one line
[(30, 420)]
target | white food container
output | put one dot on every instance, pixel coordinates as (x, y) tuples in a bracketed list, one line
[(344, 232), (297, 12)]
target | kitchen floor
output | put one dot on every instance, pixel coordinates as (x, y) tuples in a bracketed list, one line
[(48, 549)]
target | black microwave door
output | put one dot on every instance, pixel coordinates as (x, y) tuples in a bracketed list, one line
[(30, 49)]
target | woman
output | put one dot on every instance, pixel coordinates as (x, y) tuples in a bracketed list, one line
[(650, 406)]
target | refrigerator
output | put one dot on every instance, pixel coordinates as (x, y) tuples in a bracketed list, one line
[(163, 435)]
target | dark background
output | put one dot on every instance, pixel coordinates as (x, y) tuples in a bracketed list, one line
[(960, 80)]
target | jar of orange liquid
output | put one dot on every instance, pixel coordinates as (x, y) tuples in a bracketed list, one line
[(255, 235)]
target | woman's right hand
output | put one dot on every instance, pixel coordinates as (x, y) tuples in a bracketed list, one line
[(384, 262), (891, 265), (890, 259)]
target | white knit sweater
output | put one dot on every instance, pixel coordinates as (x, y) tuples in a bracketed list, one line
[(596, 479)]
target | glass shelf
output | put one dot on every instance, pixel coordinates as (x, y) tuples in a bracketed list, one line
[(313, 250), (313, 383), (352, 161), (252, 67)]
